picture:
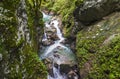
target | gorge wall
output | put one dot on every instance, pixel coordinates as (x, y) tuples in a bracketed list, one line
[(92, 28), (21, 30)]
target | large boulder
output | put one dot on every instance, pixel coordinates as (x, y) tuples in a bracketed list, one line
[(93, 10)]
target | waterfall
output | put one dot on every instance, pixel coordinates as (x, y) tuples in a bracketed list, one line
[(49, 23), (57, 75)]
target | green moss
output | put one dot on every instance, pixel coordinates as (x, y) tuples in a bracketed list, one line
[(19, 59), (29, 65), (99, 43), (107, 64), (34, 22)]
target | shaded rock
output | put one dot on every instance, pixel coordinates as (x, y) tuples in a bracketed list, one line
[(92, 10), (72, 75), (72, 72), (52, 36), (1, 57), (51, 33), (65, 41), (50, 29), (51, 13), (47, 42)]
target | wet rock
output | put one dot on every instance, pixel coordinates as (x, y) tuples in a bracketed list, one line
[(47, 42), (51, 72), (52, 36), (49, 65), (72, 75), (72, 72), (51, 13), (65, 41), (51, 33), (92, 10), (50, 29), (0, 57)]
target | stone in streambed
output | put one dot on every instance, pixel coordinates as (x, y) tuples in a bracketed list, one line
[(47, 42), (52, 36), (51, 33), (50, 29)]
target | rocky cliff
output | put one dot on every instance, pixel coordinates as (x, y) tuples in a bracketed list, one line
[(21, 30)]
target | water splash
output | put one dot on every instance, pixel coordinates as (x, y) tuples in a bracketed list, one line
[(57, 74), (59, 34)]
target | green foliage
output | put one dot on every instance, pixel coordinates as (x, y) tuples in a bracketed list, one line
[(65, 9)]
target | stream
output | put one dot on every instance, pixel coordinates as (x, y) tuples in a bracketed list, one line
[(55, 52)]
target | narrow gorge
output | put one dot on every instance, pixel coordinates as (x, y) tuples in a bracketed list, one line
[(59, 39)]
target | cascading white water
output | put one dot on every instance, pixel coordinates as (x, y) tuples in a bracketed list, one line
[(45, 37), (49, 51), (59, 34), (55, 22), (57, 74)]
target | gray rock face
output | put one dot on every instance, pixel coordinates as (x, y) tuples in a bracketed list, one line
[(93, 10)]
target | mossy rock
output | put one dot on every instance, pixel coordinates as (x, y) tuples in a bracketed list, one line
[(98, 44)]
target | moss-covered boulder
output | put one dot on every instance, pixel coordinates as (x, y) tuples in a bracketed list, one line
[(98, 49)]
